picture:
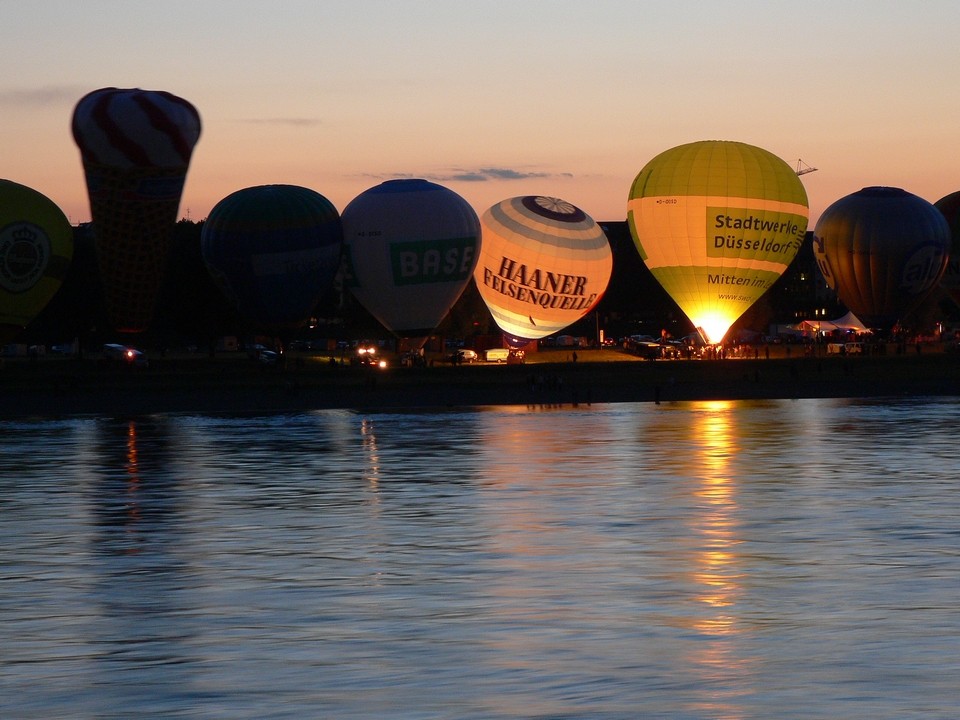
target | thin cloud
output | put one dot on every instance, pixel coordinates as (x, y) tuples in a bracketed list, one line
[(490, 174), (288, 121), (41, 97), (465, 175)]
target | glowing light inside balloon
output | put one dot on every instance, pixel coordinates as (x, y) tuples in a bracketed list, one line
[(544, 264), (717, 223)]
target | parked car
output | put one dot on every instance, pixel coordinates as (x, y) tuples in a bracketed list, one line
[(369, 354), (413, 358), (125, 354), (462, 356), (268, 357)]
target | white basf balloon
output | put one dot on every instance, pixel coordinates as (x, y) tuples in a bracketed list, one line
[(410, 250)]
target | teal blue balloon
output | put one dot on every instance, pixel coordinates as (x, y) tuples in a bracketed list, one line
[(273, 250)]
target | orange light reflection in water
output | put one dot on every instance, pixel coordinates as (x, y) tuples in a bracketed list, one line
[(371, 475), (716, 572), (540, 581), (133, 486), (372, 471)]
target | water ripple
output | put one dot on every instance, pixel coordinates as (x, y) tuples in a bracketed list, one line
[(790, 559)]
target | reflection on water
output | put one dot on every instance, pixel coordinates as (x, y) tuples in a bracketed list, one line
[(717, 566), (792, 559)]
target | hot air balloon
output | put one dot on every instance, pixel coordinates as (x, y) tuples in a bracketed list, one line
[(717, 223), (273, 250), (882, 250), (544, 264), (136, 147), (36, 248), (410, 248), (950, 207)]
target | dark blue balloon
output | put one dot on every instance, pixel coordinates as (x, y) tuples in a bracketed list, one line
[(882, 250), (274, 251)]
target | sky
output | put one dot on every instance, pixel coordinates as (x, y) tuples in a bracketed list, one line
[(494, 98)]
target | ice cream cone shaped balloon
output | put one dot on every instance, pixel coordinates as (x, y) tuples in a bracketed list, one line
[(136, 147)]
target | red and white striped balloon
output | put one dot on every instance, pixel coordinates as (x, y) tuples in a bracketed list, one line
[(135, 128)]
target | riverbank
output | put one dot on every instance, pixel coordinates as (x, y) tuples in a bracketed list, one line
[(59, 387)]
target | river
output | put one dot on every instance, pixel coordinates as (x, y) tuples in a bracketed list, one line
[(723, 559)]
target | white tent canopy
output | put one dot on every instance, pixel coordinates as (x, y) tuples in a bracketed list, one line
[(847, 323)]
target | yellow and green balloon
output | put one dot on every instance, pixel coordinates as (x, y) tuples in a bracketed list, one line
[(36, 249), (717, 223)]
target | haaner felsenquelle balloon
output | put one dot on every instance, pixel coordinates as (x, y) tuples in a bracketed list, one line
[(410, 248), (544, 264), (274, 251), (36, 249), (136, 147), (882, 249), (717, 223)]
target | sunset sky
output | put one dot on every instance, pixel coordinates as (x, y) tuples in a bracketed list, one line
[(494, 98)]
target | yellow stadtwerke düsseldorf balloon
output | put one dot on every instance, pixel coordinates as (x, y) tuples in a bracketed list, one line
[(717, 223), (544, 264)]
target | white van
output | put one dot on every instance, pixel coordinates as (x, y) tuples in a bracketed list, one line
[(850, 348), (499, 355)]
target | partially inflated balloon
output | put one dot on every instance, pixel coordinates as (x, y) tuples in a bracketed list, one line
[(544, 264), (882, 250), (717, 223), (950, 207), (136, 147), (274, 250), (36, 248), (410, 246)]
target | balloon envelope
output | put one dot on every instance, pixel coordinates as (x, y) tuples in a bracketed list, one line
[(135, 146), (273, 250), (882, 250), (36, 249), (950, 207), (717, 223), (544, 264), (134, 128), (410, 249)]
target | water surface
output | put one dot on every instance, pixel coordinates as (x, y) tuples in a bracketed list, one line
[(789, 559)]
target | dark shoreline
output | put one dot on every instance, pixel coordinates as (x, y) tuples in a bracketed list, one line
[(56, 388)]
